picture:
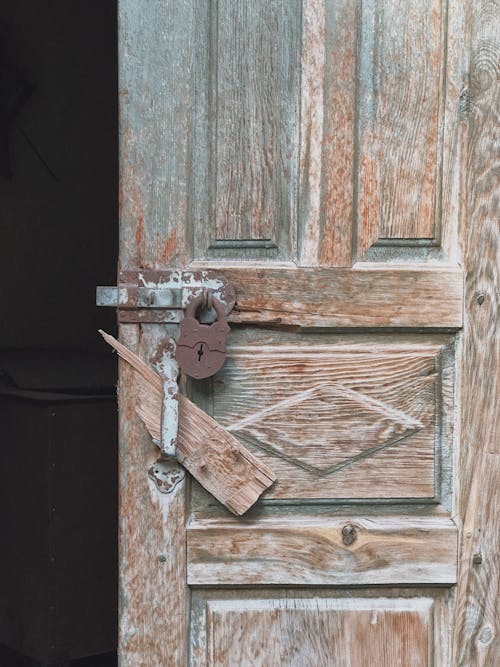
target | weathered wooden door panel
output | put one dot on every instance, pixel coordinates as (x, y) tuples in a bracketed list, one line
[(341, 115), (344, 549), (297, 629), (311, 151), (302, 131), (359, 416)]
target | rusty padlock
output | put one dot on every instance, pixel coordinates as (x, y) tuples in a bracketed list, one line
[(201, 348)]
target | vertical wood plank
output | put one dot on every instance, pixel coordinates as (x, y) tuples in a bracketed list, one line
[(311, 130), (156, 105), (255, 107), (153, 593), (476, 636), (156, 99), (252, 129), (401, 56), (329, 47), (454, 130), (341, 43)]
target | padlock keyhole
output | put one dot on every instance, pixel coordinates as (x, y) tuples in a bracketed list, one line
[(200, 352)]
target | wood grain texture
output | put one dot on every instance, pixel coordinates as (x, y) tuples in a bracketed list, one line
[(339, 140), (430, 604), (153, 593), (374, 98), (476, 636), (312, 113), (156, 100), (229, 471), (259, 142), (401, 62), (156, 50), (454, 132), (319, 632), (373, 297), (248, 107), (328, 99), (325, 427), (332, 420), (256, 110), (212, 455), (308, 549)]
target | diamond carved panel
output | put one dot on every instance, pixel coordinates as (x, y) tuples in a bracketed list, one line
[(326, 427), (338, 417)]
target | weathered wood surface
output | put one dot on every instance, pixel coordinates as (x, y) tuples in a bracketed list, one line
[(322, 607), (326, 427), (152, 571), (339, 177), (453, 130), (256, 116), (339, 418), (157, 46), (246, 134), (476, 630), (401, 60), (307, 549), (375, 297), (155, 53), (328, 117), (218, 461), (319, 632), (300, 147)]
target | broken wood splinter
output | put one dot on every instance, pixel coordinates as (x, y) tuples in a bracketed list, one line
[(206, 449)]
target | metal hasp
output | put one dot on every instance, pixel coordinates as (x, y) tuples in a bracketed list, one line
[(148, 296), (161, 296), (201, 348)]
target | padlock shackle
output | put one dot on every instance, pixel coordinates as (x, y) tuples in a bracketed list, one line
[(192, 307)]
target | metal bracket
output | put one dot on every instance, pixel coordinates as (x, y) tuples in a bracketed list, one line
[(166, 475), (146, 296), (161, 296), (166, 366)]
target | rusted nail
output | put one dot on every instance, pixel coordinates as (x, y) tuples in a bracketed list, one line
[(477, 559), (349, 534), (151, 297)]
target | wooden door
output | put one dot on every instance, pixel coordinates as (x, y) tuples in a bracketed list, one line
[(333, 161)]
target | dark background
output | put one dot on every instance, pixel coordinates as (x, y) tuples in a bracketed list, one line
[(58, 238), (59, 220)]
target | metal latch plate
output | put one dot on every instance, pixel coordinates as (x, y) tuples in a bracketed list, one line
[(161, 296)]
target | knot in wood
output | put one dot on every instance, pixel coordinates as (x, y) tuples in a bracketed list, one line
[(349, 534)]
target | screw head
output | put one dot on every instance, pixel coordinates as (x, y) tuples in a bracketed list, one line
[(349, 534)]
